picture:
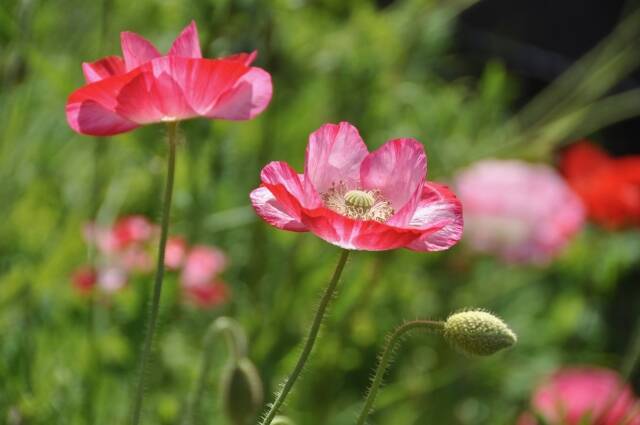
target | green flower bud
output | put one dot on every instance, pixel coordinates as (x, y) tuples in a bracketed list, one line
[(241, 389), (478, 332)]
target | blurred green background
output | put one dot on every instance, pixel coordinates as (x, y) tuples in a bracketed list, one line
[(393, 71)]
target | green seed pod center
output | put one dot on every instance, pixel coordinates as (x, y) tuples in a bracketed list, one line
[(359, 199)]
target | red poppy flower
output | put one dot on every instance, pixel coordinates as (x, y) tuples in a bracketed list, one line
[(609, 187), (208, 295), (84, 279), (360, 200), (146, 87), (582, 395)]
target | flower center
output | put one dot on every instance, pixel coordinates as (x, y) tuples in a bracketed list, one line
[(357, 204)]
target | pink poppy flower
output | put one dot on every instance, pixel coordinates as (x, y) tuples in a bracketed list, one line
[(127, 231), (518, 211), (573, 395), (147, 87), (175, 252), (207, 295), (133, 229), (359, 200), (201, 266)]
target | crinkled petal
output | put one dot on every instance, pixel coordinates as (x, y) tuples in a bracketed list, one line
[(334, 153), (287, 187), (355, 234), (103, 68), (187, 44), (397, 169), (439, 214), (273, 212), (91, 109), (136, 50), (246, 99)]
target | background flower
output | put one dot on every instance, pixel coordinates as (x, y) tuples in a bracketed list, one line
[(521, 212), (609, 187), (573, 395)]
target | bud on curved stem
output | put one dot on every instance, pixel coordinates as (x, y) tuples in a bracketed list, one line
[(474, 332), (241, 389), (477, 332), (237, 345)]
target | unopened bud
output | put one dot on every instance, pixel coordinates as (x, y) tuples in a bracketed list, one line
[(241, 389), (477, 332)]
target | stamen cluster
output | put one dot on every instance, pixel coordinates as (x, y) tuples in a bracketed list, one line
[(357, 204)]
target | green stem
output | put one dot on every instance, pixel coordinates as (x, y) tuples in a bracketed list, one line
[(385, 358), (172, 130), (311, 339)]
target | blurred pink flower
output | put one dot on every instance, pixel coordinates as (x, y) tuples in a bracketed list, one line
[(144, 87), (84, 279), (111, 279), (573, 394), (175, 252), (201, 266), (126, 231), (519, 211), (360, 200), (135, 259), (207, 295)]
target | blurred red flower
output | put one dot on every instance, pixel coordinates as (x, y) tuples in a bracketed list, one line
[(84, 279), (574, 395), (208, 295), (360, 200), (608, 186), (147, 87)]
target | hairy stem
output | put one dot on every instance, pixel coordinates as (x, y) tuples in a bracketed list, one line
[(385, 358), (172, 129), (311, 339)]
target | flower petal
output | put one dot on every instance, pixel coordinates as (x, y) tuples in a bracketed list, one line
[(438, 210), (334, 153), (273, 212), (244, 58), (103, 68), (187, 44), (136, 50), (397, 169), (91, 109), (288, 188), (246, 99), (355, 234)]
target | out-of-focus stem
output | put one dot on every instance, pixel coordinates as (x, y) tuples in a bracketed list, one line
[(385, 358), (311, 339), (172, 130)]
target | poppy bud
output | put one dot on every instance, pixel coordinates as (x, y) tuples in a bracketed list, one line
[(477, 332), (241, 390)]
